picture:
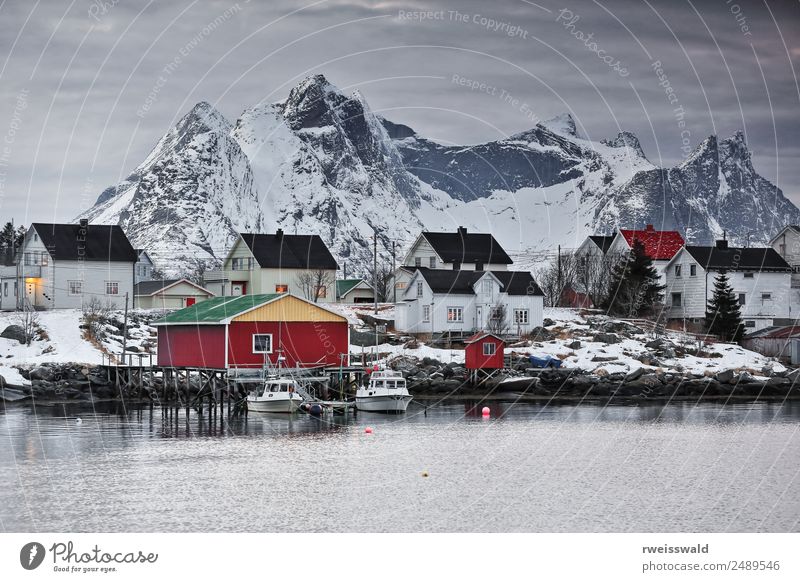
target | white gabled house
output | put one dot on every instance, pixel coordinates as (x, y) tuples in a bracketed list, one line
[(143, 270), (460, 301), (68, 265), (169, 294), (760, 277), (459, 250), (276, 263)]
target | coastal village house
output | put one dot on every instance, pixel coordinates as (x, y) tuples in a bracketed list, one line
[(143, 271), (659, 245), (354, 291), (276, 263), (760, 277), (462, 302), (253, 330), (168, 294), (69, 265), (459, 250), (787, 245)]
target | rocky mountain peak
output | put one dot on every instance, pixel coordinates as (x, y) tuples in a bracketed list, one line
[(563, 123), (626, 139)]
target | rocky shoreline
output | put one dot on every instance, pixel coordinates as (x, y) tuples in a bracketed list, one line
[(431, 379)]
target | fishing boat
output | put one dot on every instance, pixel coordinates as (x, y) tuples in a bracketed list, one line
[(385, 392), (275, 395)]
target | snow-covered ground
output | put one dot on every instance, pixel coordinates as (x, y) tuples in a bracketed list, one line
[(353, 311)]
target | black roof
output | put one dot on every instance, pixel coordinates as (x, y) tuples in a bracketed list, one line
[(467, 247), (461, 282), (603, 242), (290, 251), (93, 242), (738, 259)]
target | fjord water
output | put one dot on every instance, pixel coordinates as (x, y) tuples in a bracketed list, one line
[(529, 468)]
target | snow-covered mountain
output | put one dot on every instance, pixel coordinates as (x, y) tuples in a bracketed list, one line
[(322, 162)]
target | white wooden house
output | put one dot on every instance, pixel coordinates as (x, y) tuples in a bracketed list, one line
[(354, 291), (68, 265), (276, 263), (459, 250), (143, 270), (760, 278), (462, 302)]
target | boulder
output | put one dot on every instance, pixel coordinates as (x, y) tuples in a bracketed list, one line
[(14, 332), (541, 334), (606, 338), (634, 374), (548, 322), (655, 344), (41, 373), (574, 345), (604, 359), (724, 376)]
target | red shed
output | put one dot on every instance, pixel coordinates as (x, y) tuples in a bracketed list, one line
[(484, 351), (246, 330)]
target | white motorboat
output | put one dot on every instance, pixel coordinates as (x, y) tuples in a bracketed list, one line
[(386, 392), (275, 395)]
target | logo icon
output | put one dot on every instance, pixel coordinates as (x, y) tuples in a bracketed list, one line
[(31, 555)]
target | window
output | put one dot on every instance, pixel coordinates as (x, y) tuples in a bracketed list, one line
[(489, 349), (677, 270), (693, 270), (281, 288), (742, 298), (36, 258), (75, 287), (322, 291), (432, 262), (419, 288), (112, 288), (782, 250), (242, 264), (400, 285), (676, 299), (5, 289), (748, 275), (521, 316), (486, 286), (455, 315), (766, 297), (417, 261), (749, 323), (426, 313), (262, 343)]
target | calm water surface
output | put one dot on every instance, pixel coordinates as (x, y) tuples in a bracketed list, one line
[(530, 468)]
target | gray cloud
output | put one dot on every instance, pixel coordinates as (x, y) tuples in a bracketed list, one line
[(87, 70)]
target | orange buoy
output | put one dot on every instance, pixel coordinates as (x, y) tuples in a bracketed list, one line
[(485, 411)]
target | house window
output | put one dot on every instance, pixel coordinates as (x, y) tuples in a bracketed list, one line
[(521, 316), (748, 275), (486, 284), (677, 270), (417, 261), (693, 270), (75, 287), (5, 289), (262, 343), (489, 349), (676, 299), (400, 285), (782, 250), (322, 291), (281, 288), (766, 297), (432, 262), (742, 298), (455, 314), (426, 313), (749, 323), (419, 288), (36, 258), (242, 264), (112, 288)]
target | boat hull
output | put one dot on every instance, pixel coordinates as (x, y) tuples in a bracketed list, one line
[(284, 405), (383, 403)]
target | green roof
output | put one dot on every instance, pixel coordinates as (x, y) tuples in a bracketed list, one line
[(216, 310), (344, 286)]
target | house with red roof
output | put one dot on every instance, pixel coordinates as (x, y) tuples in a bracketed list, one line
[(659, 245)]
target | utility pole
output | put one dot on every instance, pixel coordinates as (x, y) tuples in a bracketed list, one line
[(375, 266), (125, 329), (394, 285), (558, 285)]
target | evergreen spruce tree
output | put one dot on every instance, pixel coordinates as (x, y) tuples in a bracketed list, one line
[(7, 235), (723, 313), (635, 288)]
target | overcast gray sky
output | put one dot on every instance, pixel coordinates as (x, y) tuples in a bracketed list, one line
[(88, 87)]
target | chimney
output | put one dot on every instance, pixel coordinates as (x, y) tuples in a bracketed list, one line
[(722, 244), (649, 228), (462, 231), (279, 233)]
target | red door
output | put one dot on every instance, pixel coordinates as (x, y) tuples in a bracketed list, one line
[(190, 301)]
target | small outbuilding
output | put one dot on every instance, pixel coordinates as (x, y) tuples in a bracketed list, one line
[(247, 331), (168, 294), (484, 351), (354, 291)]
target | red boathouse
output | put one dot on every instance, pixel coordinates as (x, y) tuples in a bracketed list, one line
[(484, 351), (246, 330)]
